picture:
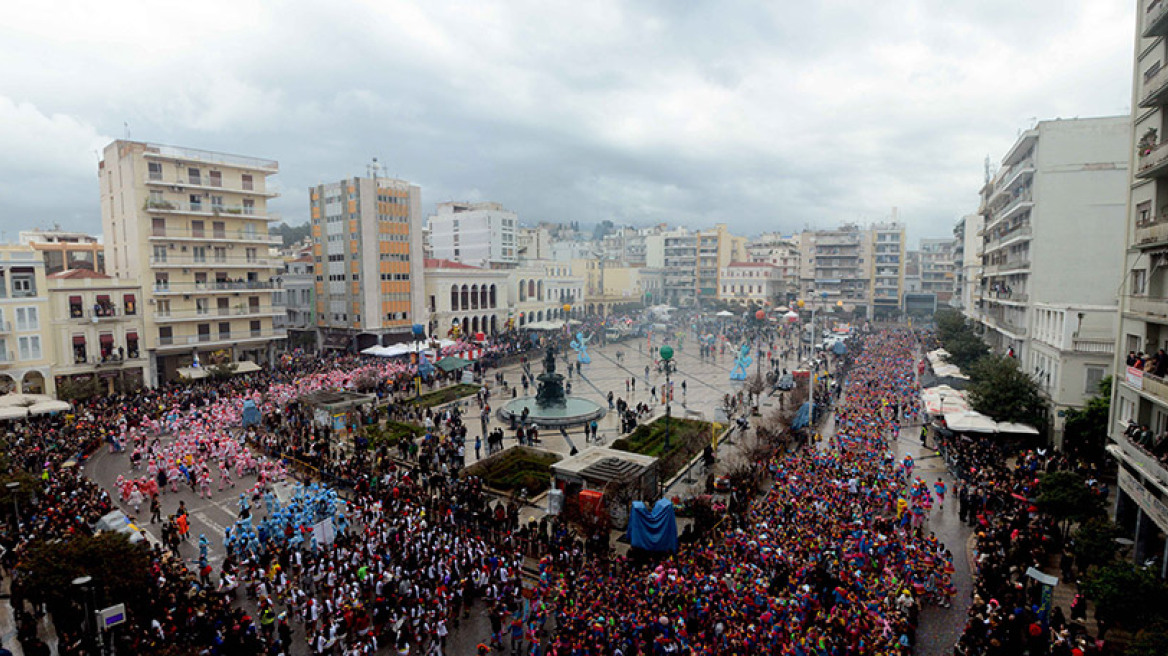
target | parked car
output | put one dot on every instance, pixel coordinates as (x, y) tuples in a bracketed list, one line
[(786, 382)]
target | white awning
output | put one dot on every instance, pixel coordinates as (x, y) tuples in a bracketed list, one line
[(246, 367), (192, 373), (49, 407), (970, 422)]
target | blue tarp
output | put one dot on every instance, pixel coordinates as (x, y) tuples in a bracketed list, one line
[(251, 414), (839, 348), (801, 417), (653, 530)]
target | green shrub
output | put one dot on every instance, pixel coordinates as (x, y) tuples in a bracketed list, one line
[(445, 395)]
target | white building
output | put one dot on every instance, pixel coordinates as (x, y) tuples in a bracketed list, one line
[(1061, 187), (758, 283), (475, 299), (478, 234)]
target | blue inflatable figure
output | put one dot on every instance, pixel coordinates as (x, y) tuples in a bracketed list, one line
[(580, 345), (425, 369), (741, 362), (204, 543)]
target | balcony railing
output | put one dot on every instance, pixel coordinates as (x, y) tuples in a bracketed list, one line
[(1155, 86), (5, 326), (215, 286), (207, 209), (216, 313), (213, 262), (1148, 306), (212, 338), (173, 234), (1152, 232), (7, 357), (1154, 19), (1093, 345), (1153, 162)]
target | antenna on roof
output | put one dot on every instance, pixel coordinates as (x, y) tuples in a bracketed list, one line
[(126, 128), (373, 169), (987, 169)]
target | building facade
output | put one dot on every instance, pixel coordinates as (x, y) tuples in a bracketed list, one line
[(367, 251), (835, 266), (64, 250), (26, 350), (96, 332), (1142, 396), (888, 260), (478, 234), (299, 299), (190, 227), (937, 267), (752, 283), (465, 300)]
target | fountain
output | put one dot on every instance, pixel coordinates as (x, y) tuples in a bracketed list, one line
[(551, 406)]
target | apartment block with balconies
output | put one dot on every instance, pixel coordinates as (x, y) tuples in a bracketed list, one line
[(191, 228), (368, 261), (1141, 396)]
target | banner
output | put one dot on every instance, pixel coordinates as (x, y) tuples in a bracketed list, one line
[(1135, 377)]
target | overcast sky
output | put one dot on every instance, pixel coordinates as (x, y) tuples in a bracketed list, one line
[(768, 116)]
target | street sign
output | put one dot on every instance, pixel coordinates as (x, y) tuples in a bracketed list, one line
[(112, 616)]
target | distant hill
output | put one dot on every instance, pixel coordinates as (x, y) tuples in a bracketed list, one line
[(291, 234)]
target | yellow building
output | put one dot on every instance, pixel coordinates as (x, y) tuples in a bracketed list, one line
[(96, 332), (608, 287), (717, 248), (26, 353), (191, 228), (367, 247)]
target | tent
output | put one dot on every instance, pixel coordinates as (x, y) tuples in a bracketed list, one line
[(1017, 429), (49, 407), (653, 530), (452, 362), (802, 415), (724, 313), (13, 412), (251, 414), (544, 325), (970, 422)]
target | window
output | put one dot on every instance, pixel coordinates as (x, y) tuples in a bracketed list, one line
[(155, 169), (23, 285), (196, 202), (158, 227), (30, 347), (251, 254), (202, 306), (216, 179), (220, 254), (199, 253), (79, 353), (161, 282), (129, 304), (248, 205), (219, 230), (1144, 213), (1139, 284), (194, 177), (224, 330), (162, 307), (204, 331), (76, 309), (165, 335), (217, 203), (256, 331), (198, 229), (248, 184), (159, 254), (1092, 378), (132, 344), (27, 319)]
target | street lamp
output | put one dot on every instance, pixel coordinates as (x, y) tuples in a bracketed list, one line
[(13, 487), (85, 584), (667, 366)]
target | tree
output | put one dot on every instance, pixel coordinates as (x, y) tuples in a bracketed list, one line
[(1151, 641), (755, 386), (1126, 595), (120, 571), (959, 339), (292, 234), (1065, 497), (1094, 542), (1001, 390), (1085, 431)]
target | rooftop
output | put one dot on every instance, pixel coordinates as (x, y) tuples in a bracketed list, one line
[(438, 263), (77, 274)]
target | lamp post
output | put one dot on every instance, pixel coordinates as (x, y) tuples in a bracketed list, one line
[(13, 488), (85, 585), (666, 354)]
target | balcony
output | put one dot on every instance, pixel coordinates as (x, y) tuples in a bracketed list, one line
[(213, 263), (208, 236), (96, 314), (1155, 89), (1007, 297), (1148, 308), (1102, 345), (1153, 163), (216, 314), (211, 211), (216, 287), (1152, 232), (1156, 19), (204, 184), (205, 340), (5, 327), (7, 358)]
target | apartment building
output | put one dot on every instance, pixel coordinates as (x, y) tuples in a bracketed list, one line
[(716, 249), (190, 227), (969, 232), (26, 350), (888, 253), (62, 249), (835, 266), (937, 267), (367, 251), (1140, 396), (478, 234), (752, 283), (299, 302), (609, 285), (96, 330), (533, 244)]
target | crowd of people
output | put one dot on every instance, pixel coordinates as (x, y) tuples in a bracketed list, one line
[(824, 563)]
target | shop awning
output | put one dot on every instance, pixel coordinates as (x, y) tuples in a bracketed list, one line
[(106, 338), (246, 367), (192, 373), (79, 340), (132, 336), (74, 300)]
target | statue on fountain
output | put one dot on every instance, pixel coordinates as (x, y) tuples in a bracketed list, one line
[(551, 385)]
